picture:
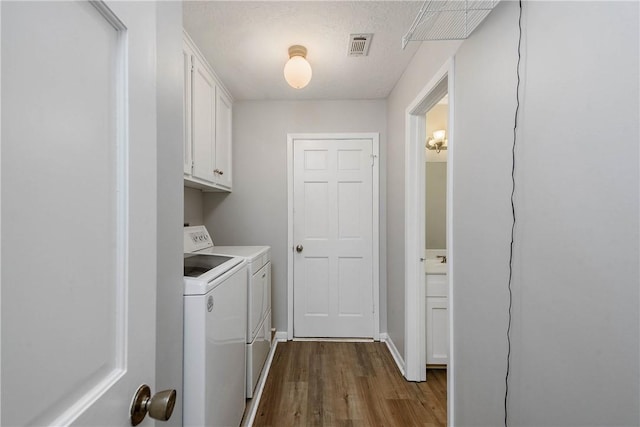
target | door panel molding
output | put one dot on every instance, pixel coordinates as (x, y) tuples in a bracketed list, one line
[(375, 261)]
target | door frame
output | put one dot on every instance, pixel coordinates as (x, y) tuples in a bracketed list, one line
[(415, 293), (375, 258)]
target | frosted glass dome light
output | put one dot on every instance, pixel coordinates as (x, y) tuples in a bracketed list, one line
[(297, 71)]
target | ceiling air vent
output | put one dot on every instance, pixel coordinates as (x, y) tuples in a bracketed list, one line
[(359, 44)]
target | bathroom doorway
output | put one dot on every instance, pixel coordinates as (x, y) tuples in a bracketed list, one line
[(431, 95), (435, 254)]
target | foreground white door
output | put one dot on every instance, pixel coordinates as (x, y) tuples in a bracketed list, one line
[(78, 219), (333, 216)]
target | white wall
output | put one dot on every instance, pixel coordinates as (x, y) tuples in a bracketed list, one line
[(193, 205), (169, 250), (435, 205), (256, 212), (427, 61), (576, 301)]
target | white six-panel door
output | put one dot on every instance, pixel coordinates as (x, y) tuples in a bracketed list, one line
[(333, 215), (78, 197)]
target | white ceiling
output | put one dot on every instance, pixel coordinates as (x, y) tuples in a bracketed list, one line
[(246, 43)]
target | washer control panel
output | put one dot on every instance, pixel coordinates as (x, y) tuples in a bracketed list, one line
[(196, 238)]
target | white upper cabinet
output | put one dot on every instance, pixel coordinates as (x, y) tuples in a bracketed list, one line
[(203, 113), (208, 112), (222, 171)]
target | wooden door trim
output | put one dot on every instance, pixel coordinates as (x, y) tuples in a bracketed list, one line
[(375, 260)]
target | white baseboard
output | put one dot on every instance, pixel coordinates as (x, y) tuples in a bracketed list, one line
[(385, 338), (334, 339), (257, 395)]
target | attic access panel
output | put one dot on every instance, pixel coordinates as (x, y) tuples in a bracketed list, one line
[(448, 19)]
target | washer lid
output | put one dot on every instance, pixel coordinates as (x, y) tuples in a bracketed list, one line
[(205, 272), (197, 265)]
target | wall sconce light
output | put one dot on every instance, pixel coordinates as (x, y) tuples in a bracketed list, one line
[(297, 71), (438, 141)]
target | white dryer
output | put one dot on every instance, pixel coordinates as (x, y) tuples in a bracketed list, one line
[(258, 258)]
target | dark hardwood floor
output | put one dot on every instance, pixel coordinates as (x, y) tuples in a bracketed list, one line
[(347, 384)]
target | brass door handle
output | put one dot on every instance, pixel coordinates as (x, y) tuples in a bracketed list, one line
[(160, 406)]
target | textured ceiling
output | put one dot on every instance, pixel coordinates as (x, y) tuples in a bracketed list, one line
[(246, 43)]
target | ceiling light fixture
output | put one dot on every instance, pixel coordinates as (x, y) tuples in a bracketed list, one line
[(438, 141), (297, 71)]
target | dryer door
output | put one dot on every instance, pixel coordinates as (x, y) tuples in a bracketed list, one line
[(258, 300)]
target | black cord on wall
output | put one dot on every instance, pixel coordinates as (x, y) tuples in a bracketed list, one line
[(513, 214)]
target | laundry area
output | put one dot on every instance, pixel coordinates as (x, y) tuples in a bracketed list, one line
[(227, 312), (236, 213)]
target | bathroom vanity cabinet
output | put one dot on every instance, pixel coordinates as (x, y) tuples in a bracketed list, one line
[(437, 319)]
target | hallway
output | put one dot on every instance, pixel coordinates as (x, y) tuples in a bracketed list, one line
[(347, 384)]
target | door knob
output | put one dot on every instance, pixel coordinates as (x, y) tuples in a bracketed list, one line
[(159, 407), (299, 248)]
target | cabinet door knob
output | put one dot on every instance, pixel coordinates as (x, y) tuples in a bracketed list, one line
[(221, 173), (299, 248)]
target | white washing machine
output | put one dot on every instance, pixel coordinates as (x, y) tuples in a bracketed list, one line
[(215, 307), (258, 335)]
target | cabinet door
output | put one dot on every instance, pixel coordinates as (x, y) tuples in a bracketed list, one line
[(203, 115), (437, 319), (223, 140), (187, 56)]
